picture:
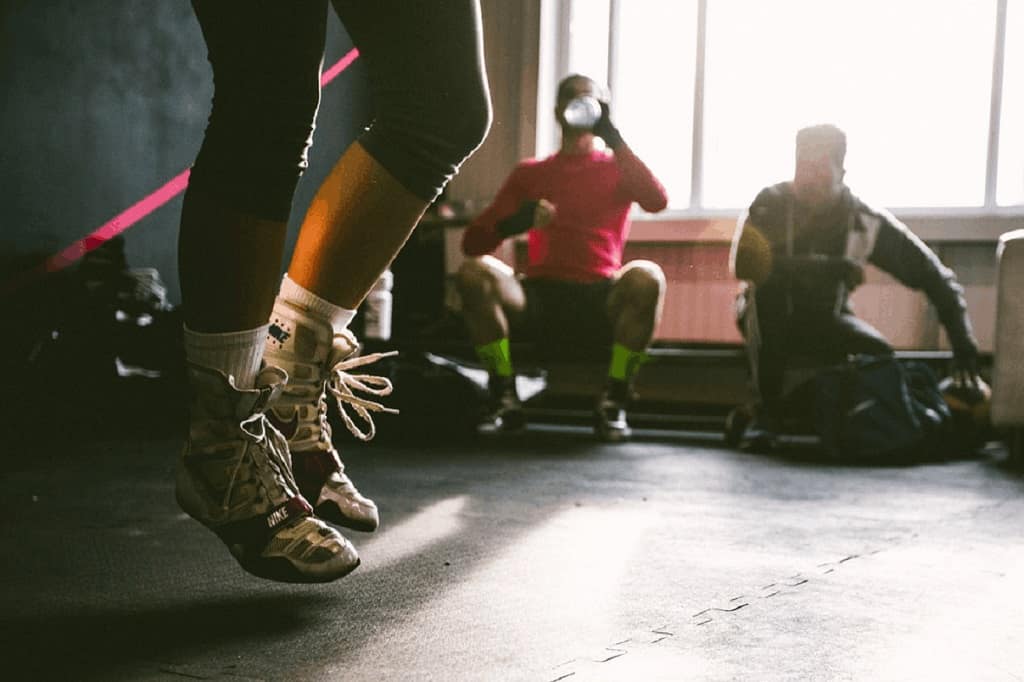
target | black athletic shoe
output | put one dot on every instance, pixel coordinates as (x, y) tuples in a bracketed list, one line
[(504, 412), (610, 424), (736, 423), (761, 434)]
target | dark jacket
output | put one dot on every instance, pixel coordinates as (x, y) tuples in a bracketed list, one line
[(865, 234)]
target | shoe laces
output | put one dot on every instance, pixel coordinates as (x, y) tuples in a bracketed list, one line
[(269, 451), (343, 386)]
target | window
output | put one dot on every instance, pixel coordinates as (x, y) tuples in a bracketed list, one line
[(910, 81), (653, 105), (908, 84), (588, 39)]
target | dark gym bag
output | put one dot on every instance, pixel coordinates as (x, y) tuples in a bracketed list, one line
[(875, 409)]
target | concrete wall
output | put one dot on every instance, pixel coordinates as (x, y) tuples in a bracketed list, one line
[(102, 102)]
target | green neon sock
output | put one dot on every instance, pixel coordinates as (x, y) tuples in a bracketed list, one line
[(625, 362), (496, 356)]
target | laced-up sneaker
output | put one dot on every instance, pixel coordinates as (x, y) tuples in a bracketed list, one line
[(234, 477), (503, 412), (318, 364), (610, 424)]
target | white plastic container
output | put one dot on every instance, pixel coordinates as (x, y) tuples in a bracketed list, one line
[(377, 309), (583, 112)]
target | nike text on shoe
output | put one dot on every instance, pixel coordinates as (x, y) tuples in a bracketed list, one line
[(234, 476)]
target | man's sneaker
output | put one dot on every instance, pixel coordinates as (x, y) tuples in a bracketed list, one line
[(234, 477), (610, 423), (761, 435), (503, 412), (318, 363), (736, 423)]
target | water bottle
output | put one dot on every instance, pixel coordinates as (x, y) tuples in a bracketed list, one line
[(377, 309), (582, 113)]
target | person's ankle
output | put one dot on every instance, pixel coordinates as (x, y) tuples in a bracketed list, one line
[(618, 390), (501, 385)]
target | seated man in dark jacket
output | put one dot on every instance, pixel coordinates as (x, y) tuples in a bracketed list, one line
[(801, 250)]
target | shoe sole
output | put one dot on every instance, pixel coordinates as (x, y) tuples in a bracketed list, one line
[(759, 446), (509, 426), (278, 569), (613, 436), (327, 513)]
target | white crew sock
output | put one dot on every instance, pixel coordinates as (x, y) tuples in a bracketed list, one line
[(316, 307), (236, 354)]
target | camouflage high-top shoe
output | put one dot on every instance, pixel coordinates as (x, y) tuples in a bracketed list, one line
[(234, 476), (317, 362)]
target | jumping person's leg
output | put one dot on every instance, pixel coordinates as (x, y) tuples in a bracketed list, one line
[(266, 60), (234, 475), (491, 297), (634, 309), (432, 109)]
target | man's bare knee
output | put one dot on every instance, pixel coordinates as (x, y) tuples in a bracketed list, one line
[(473, 277), (486, 281), (642, 282)]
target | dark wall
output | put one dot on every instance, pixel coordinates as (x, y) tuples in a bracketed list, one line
[(103, 102)]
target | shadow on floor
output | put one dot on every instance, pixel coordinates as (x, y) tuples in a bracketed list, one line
[(89, 642)]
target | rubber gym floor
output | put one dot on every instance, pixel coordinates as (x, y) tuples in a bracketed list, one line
[(542, 557)]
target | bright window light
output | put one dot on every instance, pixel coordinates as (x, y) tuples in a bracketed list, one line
[(588, 38), (1010, 185), (653, 84), (909, 81)]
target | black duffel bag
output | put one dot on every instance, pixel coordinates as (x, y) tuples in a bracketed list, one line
[(876, 409)]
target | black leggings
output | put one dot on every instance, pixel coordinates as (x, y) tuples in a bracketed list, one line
[(427, 79)]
